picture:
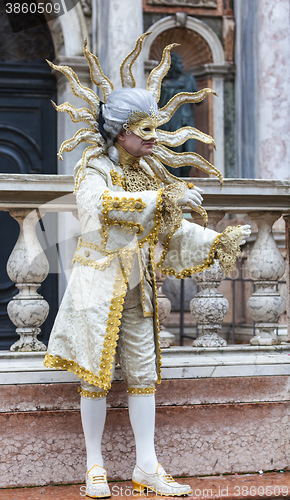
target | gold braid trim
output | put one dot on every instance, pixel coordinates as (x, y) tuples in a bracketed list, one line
[(112, 254), (125, 204), (79, 178), (139, 390), (111, 337), (117, 179), (93, 263), (58, 363), (127, 226), (228, 248), (145, 314), (153, 265), (190, 270), (91, 394)]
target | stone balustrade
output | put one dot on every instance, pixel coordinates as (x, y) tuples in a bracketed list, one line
[(29, 197)]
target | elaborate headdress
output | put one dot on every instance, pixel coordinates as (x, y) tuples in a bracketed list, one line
[(96, 140)]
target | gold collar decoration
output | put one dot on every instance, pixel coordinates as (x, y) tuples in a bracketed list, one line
[(125, 158)]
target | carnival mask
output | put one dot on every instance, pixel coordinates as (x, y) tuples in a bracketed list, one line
[(142, 124), (146, 129)]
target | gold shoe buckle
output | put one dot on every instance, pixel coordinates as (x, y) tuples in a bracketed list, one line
[(99, 479), (169, 478)]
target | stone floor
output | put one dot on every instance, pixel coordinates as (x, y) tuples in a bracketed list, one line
[(243, 486)]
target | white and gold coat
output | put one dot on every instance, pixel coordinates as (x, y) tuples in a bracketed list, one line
[(120, 230)]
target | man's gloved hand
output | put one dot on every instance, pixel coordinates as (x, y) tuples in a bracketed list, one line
[(246, 231), (192, 198)]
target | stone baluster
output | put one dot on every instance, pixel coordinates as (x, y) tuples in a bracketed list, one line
[(164, 304), (209, 306), (27, 267), (287, 238), (265, 266)]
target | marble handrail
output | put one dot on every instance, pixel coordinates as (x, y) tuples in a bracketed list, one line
[(263, 200), (236, 195)]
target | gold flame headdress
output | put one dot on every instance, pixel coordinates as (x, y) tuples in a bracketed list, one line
[(160, 153)]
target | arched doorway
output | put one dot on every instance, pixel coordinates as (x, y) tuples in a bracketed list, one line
[(27, 141), (194, 52), (208, 67)]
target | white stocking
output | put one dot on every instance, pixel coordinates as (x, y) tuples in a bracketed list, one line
[(93, 413), (142, 418)]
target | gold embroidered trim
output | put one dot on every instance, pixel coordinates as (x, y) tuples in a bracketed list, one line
[(136, 180), (127, 78), (148, 314), (228, 248), (58, 363), (157, 74), (96, 265), (112, 330), (91, 394), (117, 179), (125, 204), (127, 226), (190, 270), (90, 262), (139, 390), (79, 178), (153, 265), (171, 213)]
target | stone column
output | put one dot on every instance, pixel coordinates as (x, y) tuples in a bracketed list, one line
[(27, 267), (265, 266), (120, 23), (246, 95), (287, 234), (209, 307), (273, 102)]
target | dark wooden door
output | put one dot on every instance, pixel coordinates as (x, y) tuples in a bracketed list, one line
[(27, 143)]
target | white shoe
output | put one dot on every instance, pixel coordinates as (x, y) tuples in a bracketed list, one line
[(160, 483), (96, 483)]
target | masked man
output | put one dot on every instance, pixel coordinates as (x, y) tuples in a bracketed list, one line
[(127, 202)]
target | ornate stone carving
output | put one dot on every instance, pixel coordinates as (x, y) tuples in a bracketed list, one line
[(87, 7), (265, 266), (24, 45), (27, 267), (211, 4), (287, 245), (193, 49), (209, 306)]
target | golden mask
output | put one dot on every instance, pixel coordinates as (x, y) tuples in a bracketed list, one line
[(142, 124), (146, 129)]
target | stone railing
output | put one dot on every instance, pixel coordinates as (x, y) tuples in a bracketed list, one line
[(28, 197)]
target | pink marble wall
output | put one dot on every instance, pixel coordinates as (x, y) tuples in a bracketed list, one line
[(273, 89)]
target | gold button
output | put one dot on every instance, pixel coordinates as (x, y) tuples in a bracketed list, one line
[(87, 253), (116, 204), (136, 229), (138, 205)]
